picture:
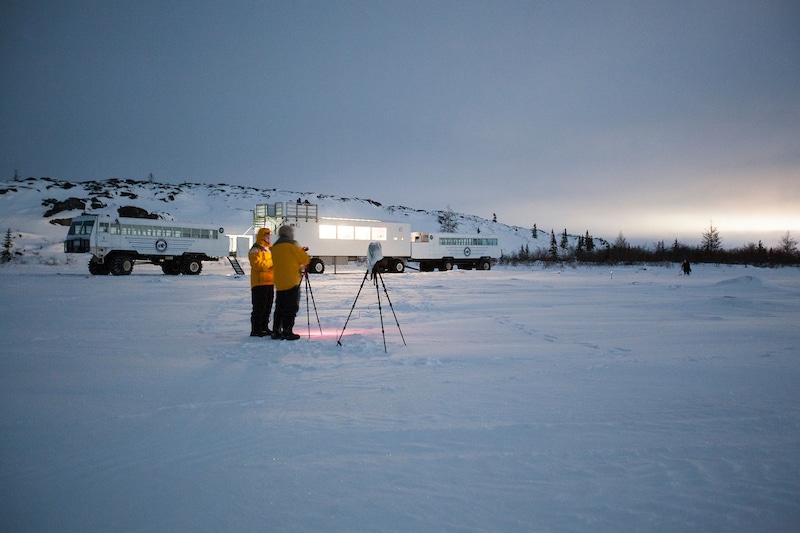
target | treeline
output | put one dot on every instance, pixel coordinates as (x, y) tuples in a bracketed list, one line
[(621, 252)]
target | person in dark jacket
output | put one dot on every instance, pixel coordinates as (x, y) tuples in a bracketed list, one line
[(262, 289), (288, 262)]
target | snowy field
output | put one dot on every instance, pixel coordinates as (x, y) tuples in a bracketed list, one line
[(525, 400)]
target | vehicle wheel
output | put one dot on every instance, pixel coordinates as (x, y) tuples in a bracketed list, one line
[(121, 265), (426, 266), (316, 266), (446, 265), (192, 267), (398, 266), (172, 268), (485, 265), (98, 269)]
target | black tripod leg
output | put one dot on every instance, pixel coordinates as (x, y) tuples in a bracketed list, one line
[(393, 313), (308, 311), (339, 341), (314, 303), (380, 312)]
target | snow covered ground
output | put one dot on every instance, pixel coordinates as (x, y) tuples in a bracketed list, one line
[(588, 399)]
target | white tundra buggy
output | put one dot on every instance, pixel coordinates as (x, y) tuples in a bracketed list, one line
[(116, 244)]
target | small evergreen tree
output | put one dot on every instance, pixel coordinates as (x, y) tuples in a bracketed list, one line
[(564, 240), (535, 232), (661, 250), (448, 221), (553, 246), (787, 244), (8, 243), (621, 243), (712, 242), (589, 242)]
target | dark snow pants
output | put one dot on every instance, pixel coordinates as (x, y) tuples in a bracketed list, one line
[(287, 303), (261, 296)]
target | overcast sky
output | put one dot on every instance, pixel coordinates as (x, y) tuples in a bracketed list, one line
[(654, 119)]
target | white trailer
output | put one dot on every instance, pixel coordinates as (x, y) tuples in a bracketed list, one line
[(446, 250), (116, 244), (335, 241), (340, 240)]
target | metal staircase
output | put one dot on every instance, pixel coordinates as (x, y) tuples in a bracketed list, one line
[(236, 266)]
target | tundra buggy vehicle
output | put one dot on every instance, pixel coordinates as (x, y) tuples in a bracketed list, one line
[(116, 244), (339, 240)]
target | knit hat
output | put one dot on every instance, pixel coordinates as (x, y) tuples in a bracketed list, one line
[(286, 232)]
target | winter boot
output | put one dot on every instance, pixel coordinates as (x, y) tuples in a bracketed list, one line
[(256, 331), (287, 330), (276, 329)]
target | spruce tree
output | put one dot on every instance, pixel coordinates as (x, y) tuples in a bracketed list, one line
[(787, 244), (712, 242), (553, 246), (589, 242), (448, 221), (8, 243)]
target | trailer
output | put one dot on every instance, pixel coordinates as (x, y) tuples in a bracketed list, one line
[(117, 244), (447, 250), (336, 241)]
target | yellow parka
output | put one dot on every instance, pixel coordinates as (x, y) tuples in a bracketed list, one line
[(261, 268), (289, 258)]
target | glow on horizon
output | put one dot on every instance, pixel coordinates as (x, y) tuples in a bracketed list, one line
[(644, 225)]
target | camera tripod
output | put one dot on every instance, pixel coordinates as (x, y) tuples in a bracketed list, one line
[(308, 311), (376, 275)]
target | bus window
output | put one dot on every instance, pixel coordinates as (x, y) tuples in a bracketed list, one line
[(345, 232), (86, 228), (378, 234), (363, 233), (327, 231)]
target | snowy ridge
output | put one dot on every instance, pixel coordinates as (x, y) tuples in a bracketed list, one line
[(36, 209)]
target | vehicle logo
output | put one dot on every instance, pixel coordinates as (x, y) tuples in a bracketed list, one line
[(467, 251), (161, 245)]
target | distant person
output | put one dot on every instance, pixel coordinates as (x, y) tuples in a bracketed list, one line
[(262, 290), (687, 268), (289, 259)]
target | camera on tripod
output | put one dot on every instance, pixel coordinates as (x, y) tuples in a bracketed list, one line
[(374, 257)]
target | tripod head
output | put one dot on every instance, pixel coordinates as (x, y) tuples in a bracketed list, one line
[(374, 256)]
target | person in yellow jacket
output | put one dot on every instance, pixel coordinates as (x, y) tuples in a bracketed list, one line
[(289, 259), (262, 288)]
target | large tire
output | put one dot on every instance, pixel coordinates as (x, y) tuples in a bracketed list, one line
[(484, 264), (446, 264), (426, 266), (121, 265), (98, 269), (397, 266), (316, 266), (171, 267), (191, 266)]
